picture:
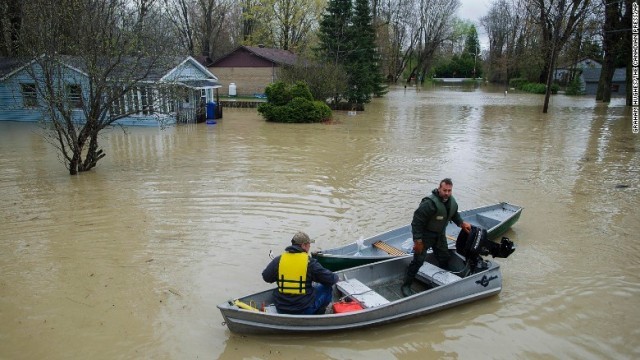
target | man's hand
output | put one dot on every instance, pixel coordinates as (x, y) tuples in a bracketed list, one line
[(418, 246), (466, 227)]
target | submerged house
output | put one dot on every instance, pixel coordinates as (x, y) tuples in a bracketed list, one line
[(160, 91), (590, 79), (588, 73), (251, 68), (563, 74)]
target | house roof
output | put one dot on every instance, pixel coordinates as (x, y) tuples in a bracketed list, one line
[(276, 56), (10, 64), (581, 64), (156, 69), (591, 75)]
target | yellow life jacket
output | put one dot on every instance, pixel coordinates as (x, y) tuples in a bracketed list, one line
[(292, 273)]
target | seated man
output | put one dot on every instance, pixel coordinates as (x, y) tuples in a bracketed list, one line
[(294, 271)]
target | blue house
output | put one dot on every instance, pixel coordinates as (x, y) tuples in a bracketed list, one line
[(174, 89), (591, 77), (563, 73), (588, 71)]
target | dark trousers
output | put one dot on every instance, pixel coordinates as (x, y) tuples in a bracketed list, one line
[(440, 250)]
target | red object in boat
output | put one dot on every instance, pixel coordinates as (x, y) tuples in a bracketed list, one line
[(346, 306)]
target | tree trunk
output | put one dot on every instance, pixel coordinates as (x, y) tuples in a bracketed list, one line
[(606, 76), (608, 44), (549, 81)]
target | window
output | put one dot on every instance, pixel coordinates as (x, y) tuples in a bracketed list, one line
[(203, 96), (29, 95), (74, 95)]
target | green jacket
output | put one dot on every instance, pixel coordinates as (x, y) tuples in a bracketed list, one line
[(432, 216)]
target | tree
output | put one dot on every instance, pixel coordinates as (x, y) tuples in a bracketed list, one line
[(432, 29), (347, 38), (212, 25), (202, 26), (117, 51), (558, 19), (323, 79), (472, 49), (507, 34), (616, 44), (10, 25), (334, 37), (180, 15), (250, 18), (294, 21), (335, 33), (365, 78)]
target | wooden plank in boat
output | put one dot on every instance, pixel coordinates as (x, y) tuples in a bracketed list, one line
[(389, 249)]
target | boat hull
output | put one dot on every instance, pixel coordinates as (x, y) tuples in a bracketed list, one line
[(497, 219), (386, 273)]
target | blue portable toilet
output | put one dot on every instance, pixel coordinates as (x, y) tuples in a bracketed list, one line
[(211, 110)]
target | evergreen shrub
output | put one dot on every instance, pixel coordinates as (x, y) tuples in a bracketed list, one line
[(574, 87), (292, 104)]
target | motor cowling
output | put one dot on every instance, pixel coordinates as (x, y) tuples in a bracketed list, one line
[(476, 243)]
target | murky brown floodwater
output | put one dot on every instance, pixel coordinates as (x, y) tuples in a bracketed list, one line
[(130, 260)]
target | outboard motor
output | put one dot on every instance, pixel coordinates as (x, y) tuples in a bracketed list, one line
[(477, 243)]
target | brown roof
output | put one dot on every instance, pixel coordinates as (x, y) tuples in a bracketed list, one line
[(276, 56)]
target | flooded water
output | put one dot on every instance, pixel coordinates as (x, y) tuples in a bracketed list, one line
[(129, 260)]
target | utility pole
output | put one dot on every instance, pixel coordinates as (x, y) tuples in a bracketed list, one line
[(475, 57)]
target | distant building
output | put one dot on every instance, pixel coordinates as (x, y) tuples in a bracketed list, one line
[(588, 71), (591, 77), (146, 104), (562, 74), (251, 68)]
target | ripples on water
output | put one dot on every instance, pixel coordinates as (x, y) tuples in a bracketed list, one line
[(174, 221)]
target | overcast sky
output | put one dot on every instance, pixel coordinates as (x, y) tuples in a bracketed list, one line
[(473, 10)]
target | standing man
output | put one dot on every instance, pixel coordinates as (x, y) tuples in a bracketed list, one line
[(429, 229), (295, 272)]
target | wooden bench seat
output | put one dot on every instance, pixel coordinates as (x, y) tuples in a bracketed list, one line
[(361, 293), (431, 273)]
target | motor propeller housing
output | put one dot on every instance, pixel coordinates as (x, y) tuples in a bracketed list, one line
[(476, 243)]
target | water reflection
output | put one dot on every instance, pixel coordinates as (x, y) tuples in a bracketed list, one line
[(130, 260)]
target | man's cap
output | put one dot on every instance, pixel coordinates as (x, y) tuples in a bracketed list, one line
[(301, 238)]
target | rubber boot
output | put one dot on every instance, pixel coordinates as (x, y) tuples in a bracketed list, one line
[(444, 264), (406, 286)]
